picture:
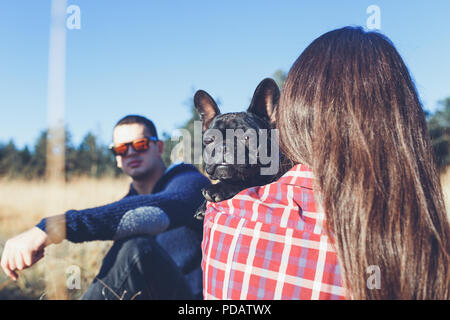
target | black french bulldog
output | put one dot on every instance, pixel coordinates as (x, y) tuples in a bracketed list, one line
[(220, 163)]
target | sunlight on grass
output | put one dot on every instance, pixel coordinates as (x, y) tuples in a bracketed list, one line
[(25, 204)]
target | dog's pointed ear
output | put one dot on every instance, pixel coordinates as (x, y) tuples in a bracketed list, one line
[(206, 107), (265, 99)]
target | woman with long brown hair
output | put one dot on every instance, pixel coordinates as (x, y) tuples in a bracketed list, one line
[(350, 112), (360, 215)]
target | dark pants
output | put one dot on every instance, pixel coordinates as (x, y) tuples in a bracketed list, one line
[(142, 268)]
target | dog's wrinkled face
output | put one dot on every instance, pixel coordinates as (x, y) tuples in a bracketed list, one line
[(232, 141), (230, 154)]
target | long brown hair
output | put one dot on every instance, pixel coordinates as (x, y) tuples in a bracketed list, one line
[(350, 111)]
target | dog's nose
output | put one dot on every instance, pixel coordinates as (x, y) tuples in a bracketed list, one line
[(223, 172)]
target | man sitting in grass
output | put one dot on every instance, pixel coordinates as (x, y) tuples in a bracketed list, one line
[(156, 252)]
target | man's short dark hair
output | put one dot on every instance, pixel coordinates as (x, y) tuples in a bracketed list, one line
[(132, 118)]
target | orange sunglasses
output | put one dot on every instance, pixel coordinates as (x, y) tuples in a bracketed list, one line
[(139, 145)]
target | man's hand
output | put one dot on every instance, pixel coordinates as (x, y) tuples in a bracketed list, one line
[(23, 251)]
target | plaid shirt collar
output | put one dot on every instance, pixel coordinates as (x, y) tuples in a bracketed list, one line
[(298, 177), (301, 177)]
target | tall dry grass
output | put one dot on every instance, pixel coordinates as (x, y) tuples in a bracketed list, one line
[(23, 204)]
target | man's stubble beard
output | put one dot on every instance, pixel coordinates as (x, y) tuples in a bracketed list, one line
[(144, 175), (140, 176)]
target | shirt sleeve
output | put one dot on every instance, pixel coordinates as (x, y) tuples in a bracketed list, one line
[(178, 201)]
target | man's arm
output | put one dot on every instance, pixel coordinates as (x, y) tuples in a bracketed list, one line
[(178, 201)]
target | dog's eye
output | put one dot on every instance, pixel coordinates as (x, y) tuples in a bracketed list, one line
[(208, 140)]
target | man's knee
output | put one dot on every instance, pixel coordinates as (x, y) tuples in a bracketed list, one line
[(126, 252), (135, 245), (125, 259)]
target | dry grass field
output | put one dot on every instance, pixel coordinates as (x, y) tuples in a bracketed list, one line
[(24, 203)]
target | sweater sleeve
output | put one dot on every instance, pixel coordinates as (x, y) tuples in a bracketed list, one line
[(178, 200)]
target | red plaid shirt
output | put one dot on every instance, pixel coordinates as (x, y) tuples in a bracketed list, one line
[(269, 243)]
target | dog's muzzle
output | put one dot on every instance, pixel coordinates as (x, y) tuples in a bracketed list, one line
[(223, 172)]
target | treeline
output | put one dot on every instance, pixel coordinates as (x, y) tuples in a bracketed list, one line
[(439, 128), (93, 159), (89, 158)]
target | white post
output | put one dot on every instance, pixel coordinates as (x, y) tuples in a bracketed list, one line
[(55, 168), (55, 157)]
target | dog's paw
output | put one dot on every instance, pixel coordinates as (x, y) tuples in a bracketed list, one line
[(208, 195), (200, 213), (215, 193)]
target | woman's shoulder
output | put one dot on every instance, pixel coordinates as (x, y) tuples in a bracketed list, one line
[(282, 203)]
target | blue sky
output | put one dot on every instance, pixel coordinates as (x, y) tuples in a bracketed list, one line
[(148, 57)]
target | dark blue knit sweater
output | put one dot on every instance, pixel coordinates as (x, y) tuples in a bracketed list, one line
[(177, 193)]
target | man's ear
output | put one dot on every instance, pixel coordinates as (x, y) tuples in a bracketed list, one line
[(119, 162), (206, 107), (265, 99), (160, 145)]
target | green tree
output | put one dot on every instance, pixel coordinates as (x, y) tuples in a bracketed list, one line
[(169, 145), (38, 160), (25, 157), (9, 160), (280, 77), (439, 128), (91, 158), (88, 156)]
